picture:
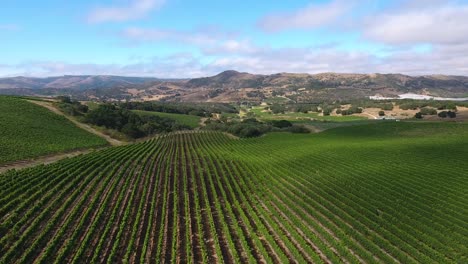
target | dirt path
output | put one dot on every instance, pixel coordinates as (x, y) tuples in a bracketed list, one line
[(372, 116), (201, 123), (112, 141), (42, 160)]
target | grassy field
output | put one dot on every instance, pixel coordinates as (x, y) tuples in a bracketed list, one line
[(28, 131), (258, 111), (377, 193), (189, 120)]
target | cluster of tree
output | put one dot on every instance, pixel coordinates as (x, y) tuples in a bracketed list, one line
[(129, 123), (71, 107), (200, 109), (256, 94), (443, 114), (297, 108), (253, 128), (449, 114), (277, 93), (367, 103), (214, 93), (350, 111), (439, 105), (305, 108), (428, 111), (327, 108), (278, 109)]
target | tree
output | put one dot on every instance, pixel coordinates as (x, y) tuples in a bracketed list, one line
[(281, 123), (277, 109), (443, 114), (387, 107), (381, 113), (64, 99), (428, 111)]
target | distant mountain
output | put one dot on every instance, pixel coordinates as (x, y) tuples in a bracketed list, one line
[(233, 86), (82, 82), (228, 79), (237, 80)]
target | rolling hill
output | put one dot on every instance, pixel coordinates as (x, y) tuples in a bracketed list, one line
[(28, 131), (233, 86)]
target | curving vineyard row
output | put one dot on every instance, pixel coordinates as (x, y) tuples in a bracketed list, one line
[(22, 133), (204, 197)]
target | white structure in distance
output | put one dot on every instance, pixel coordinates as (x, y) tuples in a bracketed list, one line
[(417, 97)]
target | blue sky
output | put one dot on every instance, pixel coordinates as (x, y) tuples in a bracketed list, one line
[(179, 38)]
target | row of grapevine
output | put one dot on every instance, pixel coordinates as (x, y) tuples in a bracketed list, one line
[(197, 197)]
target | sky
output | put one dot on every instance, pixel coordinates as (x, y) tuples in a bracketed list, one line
[(186, 39)]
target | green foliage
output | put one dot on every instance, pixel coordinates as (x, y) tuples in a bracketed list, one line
[(428, 111), (28, 130), (197, 109), (352, 110), (281, 123), (381, 113), (386, 192), (440, 105), (445, 114), (277, 109), (131, 124), (70, 107), (192, 121), (387, 106), (245, 129), (418, 115), (251, 127)]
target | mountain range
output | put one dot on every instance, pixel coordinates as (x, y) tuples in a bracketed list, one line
[(233, 86)]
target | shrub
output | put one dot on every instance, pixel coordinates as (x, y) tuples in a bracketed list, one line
[(281, 123), (418, 115), (428, 111), (381, 113), (277, 109), (443, 114), (387, 107)]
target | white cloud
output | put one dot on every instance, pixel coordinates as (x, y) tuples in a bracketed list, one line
[(136, 9), (199, 36), (210, 40), (248, 57), (309, 17), (440, 24)]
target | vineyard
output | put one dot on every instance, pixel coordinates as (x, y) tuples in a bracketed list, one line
[(386, 193), (28, 130)]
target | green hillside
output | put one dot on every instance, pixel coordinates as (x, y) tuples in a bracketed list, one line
[(188, 120), (28, 130), (383, 193)]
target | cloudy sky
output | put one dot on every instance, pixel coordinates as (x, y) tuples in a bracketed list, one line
[(182, 38)]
